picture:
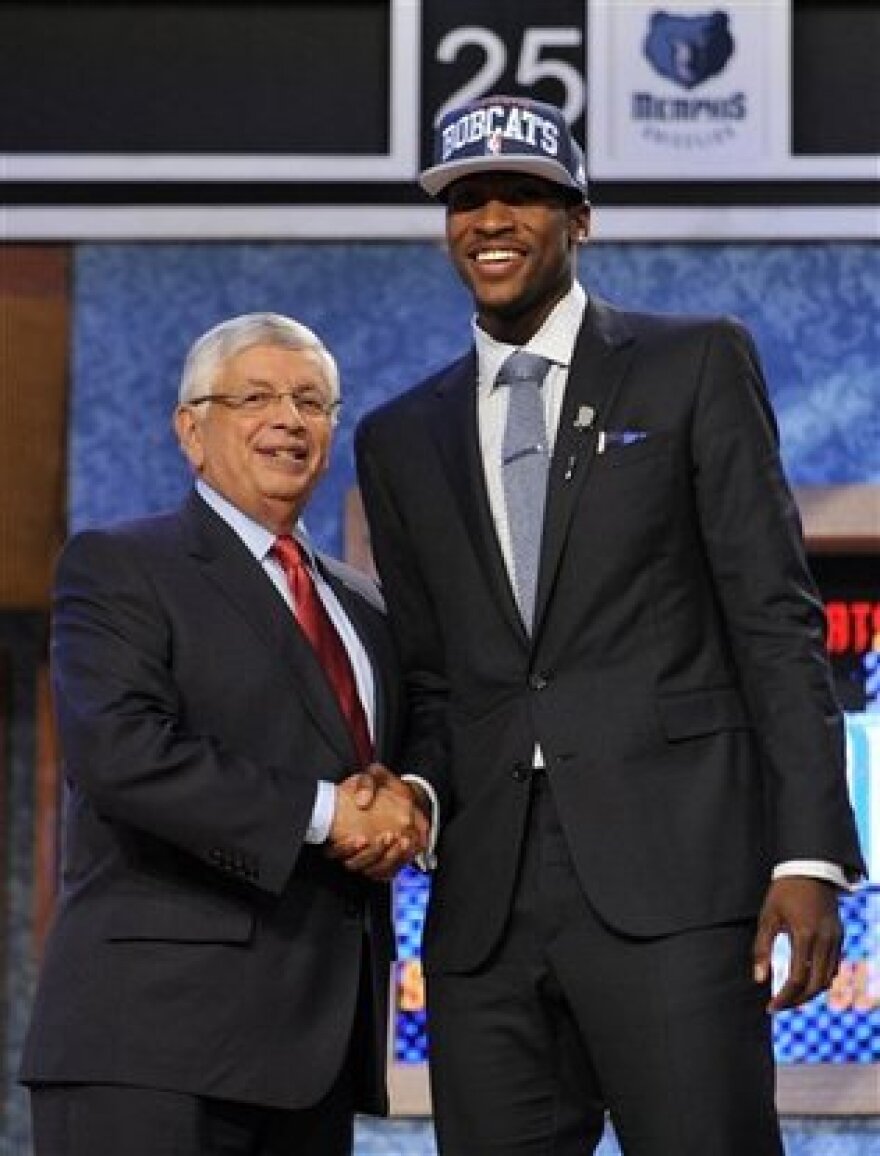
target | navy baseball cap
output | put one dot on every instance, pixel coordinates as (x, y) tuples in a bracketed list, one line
[(505, 134)]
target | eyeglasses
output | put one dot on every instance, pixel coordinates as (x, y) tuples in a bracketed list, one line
[(307, 405)]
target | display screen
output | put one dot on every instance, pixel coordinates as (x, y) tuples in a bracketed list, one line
[(195, 78)]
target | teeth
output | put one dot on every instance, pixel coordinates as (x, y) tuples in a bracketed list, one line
[(488, 256)]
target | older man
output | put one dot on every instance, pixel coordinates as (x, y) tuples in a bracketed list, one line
[(215, 979)]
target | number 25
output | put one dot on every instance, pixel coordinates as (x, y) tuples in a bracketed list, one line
[(529, 70)]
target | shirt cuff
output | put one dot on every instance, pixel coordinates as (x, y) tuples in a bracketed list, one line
[(427, 859), (814, 869), (323, 811)]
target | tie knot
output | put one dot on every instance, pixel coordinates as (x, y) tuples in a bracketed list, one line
[(523, 368), (289, 553)]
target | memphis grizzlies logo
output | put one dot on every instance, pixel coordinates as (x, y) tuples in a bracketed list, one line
[(688, 49)]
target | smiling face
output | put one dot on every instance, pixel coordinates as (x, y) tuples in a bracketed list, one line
[(266, 463), (512, 239)]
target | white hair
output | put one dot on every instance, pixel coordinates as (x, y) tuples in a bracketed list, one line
[(213, 349)]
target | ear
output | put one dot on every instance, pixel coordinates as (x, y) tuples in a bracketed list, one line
[(579, 223), (187, 426)]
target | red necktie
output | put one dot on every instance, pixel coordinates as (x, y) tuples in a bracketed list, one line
[(320, 631)]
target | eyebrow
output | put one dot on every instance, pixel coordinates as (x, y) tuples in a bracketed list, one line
[(263, 384)]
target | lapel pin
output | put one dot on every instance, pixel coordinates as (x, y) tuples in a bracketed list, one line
[(585, 417)]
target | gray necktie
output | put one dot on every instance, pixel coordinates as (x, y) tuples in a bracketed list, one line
[(525, 460)]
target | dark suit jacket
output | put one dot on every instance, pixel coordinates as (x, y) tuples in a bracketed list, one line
[(199, 944), (676, 678)]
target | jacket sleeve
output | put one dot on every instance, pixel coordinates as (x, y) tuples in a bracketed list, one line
[(752, 535), (126, 741)]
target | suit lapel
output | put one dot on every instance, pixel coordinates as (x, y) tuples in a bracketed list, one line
[(601, 356), (230, 567), (457, 438)]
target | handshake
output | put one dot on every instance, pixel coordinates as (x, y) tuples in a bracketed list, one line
[(380, 824)]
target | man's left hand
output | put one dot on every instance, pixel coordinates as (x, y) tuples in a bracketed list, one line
[(806, 910)]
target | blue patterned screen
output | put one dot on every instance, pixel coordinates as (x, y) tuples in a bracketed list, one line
[(393, 312), (842, 1026)]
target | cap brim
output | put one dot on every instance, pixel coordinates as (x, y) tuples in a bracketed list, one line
[(435, 179)]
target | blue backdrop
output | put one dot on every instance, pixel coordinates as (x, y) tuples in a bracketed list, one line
[(393, 312)]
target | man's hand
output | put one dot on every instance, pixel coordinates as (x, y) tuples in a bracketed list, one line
[(379, 824), (806, 910)]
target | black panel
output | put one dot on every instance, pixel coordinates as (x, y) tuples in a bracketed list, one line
[(835, 94), (195, 78), (313, 77), (850, 588)]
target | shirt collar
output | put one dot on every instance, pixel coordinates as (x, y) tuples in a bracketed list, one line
[(257, 538), (554, 340)]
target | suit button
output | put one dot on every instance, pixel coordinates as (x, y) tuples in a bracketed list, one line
[(539, 681), (521, 772)]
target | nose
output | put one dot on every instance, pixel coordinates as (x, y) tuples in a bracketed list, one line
[(287, 410), (494, 216)]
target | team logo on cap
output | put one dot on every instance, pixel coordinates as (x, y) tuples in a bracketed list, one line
[(505, 132), (496, 123)]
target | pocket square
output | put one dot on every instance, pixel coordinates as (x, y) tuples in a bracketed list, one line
[(613, 438)]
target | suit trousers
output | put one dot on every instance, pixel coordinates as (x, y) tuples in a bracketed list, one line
[(114, 1120), (570, 1019)]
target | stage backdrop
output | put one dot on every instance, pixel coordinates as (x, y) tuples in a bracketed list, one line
[(392, 313)]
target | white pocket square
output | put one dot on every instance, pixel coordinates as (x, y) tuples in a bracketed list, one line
[(613, 438)]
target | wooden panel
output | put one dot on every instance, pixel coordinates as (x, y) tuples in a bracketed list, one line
[(841, 519), (46, 812), (34, 338), (828, 1089), (5, 820), (802, 1089), (356, 536)]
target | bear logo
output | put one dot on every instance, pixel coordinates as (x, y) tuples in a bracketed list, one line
[(688, 49)]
